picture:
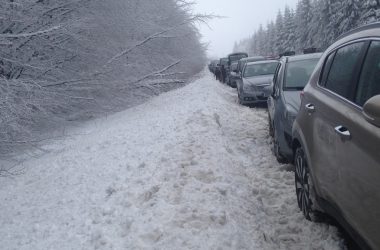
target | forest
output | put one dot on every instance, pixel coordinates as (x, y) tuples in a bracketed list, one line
[(313, 24), (74, 60)]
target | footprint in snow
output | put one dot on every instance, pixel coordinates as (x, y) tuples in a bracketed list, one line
[(205, 176), (148, 195)]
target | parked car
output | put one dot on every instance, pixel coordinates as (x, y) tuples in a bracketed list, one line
[(254, 78), (336, 137), (284, 101), (233, 75), (234, 57)]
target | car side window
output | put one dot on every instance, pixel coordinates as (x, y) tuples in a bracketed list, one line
[(369, 83), (326, 69), (342, 72)]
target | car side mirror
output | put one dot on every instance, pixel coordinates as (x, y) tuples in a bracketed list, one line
[(371, 110)]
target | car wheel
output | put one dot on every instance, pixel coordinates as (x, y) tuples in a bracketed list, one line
[(276, 148), (306, 197)]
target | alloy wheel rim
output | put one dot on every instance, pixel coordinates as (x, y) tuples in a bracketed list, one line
[(302, 186)]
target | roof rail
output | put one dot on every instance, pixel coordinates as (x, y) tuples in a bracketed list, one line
[(361, 28), (288, 53), (310, 50)]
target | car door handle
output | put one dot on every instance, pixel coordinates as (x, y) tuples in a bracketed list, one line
[(310, 108), (343, 132)]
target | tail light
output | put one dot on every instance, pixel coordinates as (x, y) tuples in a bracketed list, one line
[(302, 94)]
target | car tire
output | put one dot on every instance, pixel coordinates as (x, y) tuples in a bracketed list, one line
[(306, 196), (271, 133), (276, 149)]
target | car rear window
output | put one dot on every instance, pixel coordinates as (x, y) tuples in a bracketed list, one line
[(298, 73), (260, 69)]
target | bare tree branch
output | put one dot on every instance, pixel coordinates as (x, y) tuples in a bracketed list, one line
[(157, 35), (156, 73)]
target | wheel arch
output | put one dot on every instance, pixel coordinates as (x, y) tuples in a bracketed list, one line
[(298, 140)]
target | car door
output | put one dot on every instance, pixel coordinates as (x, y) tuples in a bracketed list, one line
[(359, 158), (328, 106)]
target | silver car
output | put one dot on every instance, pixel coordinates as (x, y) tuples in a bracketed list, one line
[(284, 101), (256, 76)]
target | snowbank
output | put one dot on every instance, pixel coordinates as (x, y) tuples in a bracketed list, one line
[(190, 169)]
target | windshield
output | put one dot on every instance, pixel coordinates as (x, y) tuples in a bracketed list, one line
[(260, 69), (235, 58), (298, 73), (224, 61)]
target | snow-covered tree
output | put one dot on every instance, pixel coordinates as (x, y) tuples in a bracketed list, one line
[(71, 59), (303, 21), (271, 39), (348, 15), (369, 11), (280, 33), (290, 29), (315, 23)]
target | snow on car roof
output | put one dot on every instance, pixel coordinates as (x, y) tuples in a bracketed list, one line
[(262, 62), (303, 57)]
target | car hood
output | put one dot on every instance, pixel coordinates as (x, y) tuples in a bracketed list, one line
[(259, 80), (293, 99)]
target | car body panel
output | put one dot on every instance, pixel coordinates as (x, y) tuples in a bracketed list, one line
[(252, 90), (293, 99)]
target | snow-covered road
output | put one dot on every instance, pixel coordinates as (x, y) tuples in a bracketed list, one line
[(190, 169)]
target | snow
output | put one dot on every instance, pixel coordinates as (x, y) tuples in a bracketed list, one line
[(190, 169)]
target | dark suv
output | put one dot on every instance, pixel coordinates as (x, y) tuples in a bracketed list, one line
[(336, 137), (234, 57)]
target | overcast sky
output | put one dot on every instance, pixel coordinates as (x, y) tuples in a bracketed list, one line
[(243, 17)]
